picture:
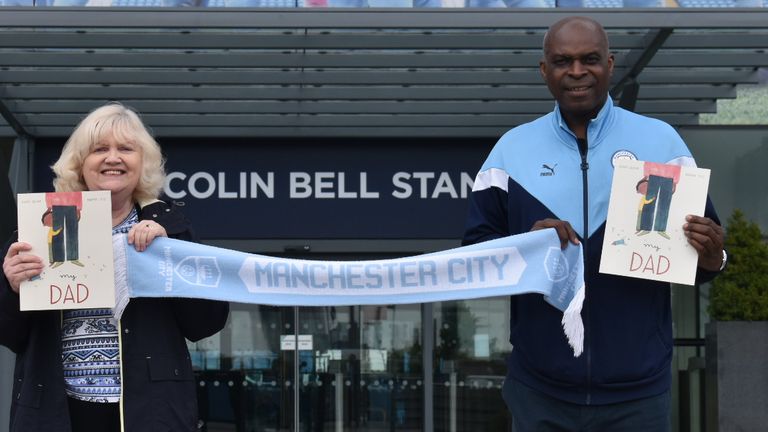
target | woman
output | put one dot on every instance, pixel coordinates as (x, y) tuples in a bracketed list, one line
[(80, 370)]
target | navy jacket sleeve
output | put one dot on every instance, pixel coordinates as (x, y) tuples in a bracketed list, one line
[(197, 319), (14, 324), (487, 216)]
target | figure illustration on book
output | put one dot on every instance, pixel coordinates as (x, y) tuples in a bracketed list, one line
[(47, 220), (63, 237), (642, 189), (659, 182)]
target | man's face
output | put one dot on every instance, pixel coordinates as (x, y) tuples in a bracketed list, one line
[(577, 68), (642, 187)]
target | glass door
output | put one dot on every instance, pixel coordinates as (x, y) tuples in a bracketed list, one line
[(434, 367), (356, 368), (363, 371), (245, 381), (471, 345)]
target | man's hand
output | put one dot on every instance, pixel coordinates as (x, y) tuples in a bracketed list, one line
[(707, 238), (563, 228)]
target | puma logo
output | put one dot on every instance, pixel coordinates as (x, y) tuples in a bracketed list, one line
[(550, 170)]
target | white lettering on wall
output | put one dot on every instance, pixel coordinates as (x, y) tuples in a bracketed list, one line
[(300, 185), (207, 180), (444, 185), (328, 185), (402, 190), (223, 194), (467, 182), (169, 191), (203, 185), (430, 187), (316, 185), (266, 187)]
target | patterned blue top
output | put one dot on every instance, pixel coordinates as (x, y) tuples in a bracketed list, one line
[(90, 347)]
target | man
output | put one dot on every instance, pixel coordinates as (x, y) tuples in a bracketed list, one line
[(555, 172)]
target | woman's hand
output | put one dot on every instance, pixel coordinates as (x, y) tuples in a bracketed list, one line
[(142, 234), (19, 267)]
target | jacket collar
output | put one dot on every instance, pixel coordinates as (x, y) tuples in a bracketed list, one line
[(144, 203), (596, 130)]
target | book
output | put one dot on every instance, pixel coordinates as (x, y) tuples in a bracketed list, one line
[(72, 233), (644, 235)]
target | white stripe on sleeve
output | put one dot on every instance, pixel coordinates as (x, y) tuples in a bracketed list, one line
[(492, 177)]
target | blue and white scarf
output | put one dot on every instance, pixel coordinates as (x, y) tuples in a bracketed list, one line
[(526, 263)]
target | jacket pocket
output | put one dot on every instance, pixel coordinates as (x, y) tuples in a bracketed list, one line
[(168, 368)]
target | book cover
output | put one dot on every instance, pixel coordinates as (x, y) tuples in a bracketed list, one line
[(72, 233), (644, 235)]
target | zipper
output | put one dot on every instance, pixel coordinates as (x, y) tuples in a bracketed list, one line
[(583, 147)]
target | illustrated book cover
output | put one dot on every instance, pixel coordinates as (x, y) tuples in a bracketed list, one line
[(72, 233), (644, 235)]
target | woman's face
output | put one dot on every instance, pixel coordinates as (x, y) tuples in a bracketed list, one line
[(114, 166)]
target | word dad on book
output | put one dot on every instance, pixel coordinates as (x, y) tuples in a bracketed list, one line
[(69, 291)]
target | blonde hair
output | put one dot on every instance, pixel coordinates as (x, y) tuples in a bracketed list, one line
[(116, 121)]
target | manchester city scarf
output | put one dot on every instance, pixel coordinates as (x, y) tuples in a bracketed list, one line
[(527, 263)]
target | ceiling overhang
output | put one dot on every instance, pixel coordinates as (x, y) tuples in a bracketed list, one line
[(343, 72)]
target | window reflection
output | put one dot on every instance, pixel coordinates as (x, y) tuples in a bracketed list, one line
[(359, 368), (471, 344), (363, 369), (369, 367), (244, 379)]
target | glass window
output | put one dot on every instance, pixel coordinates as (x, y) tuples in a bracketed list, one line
[(471, 344)]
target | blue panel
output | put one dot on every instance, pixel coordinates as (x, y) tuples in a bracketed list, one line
[(720, 3), (252, 3), (608, 3), (16, 3), (341, 189), (142, 3)]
